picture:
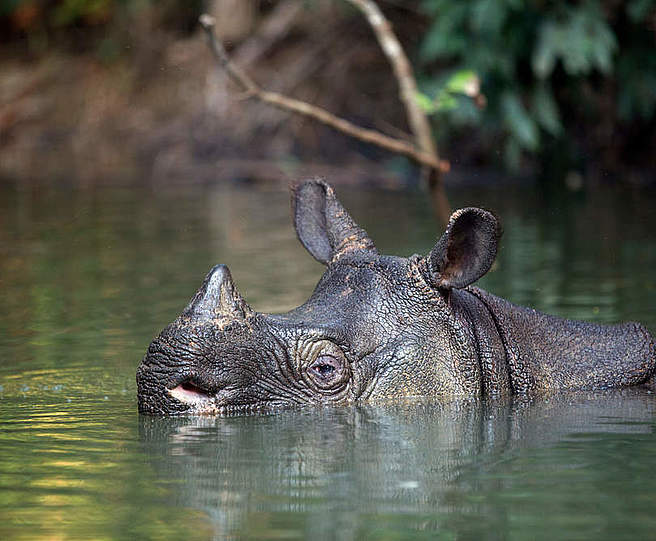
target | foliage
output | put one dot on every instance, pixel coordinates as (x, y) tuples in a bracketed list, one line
[(530, 78), (544, 66), (460, 83)]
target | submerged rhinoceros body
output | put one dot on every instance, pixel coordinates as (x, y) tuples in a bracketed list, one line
[(379, 327)]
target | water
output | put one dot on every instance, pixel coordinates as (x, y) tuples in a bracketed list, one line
[(88, 277)]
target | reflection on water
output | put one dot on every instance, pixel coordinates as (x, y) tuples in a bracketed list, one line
[(87, 278), (71, 466), (456, 469)]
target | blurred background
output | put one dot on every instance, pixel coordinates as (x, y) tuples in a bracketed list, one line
[(126, 92)]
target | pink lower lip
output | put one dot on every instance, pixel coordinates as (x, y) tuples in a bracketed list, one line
[(187, 393)]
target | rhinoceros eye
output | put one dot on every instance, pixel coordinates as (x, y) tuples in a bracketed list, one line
[(328, 371), (325, 367)]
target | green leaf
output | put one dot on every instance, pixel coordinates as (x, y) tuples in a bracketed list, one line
[(488, 16), (425, 103), (581, 39), (463, 82), (445, 102), (602, 46), (545, 110), (546, 50), (446, 37), (441, 44), (521, 125)]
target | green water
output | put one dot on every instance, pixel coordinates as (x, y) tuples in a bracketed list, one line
[(88, 277)]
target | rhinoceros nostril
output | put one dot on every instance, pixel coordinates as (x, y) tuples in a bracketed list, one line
[(189, 393)]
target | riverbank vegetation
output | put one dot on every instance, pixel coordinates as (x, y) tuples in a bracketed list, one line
[(111, 89)]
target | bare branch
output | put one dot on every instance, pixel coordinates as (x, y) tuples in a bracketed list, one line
[(312, 111), (408, 91), (402, 71), (208, 22)]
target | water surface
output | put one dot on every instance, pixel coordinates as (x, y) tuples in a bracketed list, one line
[(88, 277)]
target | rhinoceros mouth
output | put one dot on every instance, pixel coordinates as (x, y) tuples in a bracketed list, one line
[(200, 401), (189, 393)]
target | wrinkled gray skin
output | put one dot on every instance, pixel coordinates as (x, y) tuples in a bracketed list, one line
[(379, 327)]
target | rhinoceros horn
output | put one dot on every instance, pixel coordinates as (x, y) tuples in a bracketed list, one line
[(217, 298)]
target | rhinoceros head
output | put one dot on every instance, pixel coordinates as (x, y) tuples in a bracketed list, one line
[(375, 326)]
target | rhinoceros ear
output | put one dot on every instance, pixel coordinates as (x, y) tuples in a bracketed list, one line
[(466, 250), (322, 224)]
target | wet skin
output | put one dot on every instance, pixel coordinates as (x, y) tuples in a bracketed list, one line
[(379, 327)]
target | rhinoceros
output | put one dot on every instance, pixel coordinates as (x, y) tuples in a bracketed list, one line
[(379, 327)]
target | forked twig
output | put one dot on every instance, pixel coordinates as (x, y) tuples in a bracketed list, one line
[(425, 150), (402, 71), (306, 109), (417, 119)]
